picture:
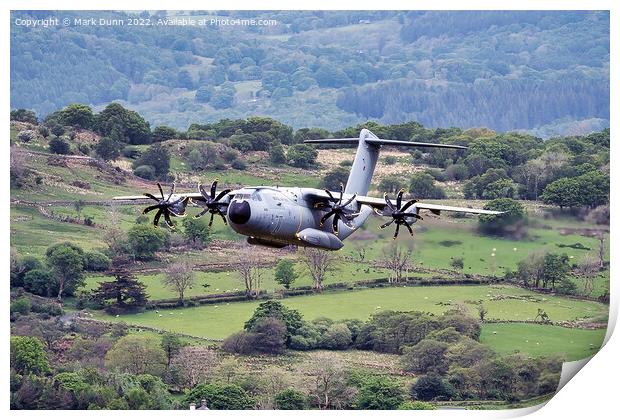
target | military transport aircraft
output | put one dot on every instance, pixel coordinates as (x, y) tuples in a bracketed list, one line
[(307, 217)]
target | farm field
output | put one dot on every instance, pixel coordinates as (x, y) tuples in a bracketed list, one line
[(542, 340), (219, 321)]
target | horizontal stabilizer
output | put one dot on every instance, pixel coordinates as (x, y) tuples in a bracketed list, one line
[(382, 142)]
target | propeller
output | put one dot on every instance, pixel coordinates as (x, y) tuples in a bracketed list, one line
[(398, 213), (166, 206), (212, 202), (338, 209)]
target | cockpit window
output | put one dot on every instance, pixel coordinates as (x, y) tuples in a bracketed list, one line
[(256, 196)]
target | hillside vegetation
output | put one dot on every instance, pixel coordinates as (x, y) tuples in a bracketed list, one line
[(542, 71)]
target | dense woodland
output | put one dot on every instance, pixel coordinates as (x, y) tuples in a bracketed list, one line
[(541, 71)]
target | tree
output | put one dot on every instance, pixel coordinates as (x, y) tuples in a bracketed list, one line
[(194, 364), (508, 222), (397, 259), (276, 153), (136, 355), (145, 240), (108, 148), (204, 93), (197, 231), (482, 312), (301, 155), (430, 387), (40, 282), (129, 126), (555, 269), (171, 344), (318, 262), (328, 384), (422, 185), (59, 146), (24, 115), (250, 272), (590, 189), (163, 133), (67, 262), (179, 277), (96, 261), (28, 355), (335, 177), (270, 335), (221, 397), (157, 157), (77, 115), (285, 273), (123, 294), (337, 337), (425, 357), (272, 309), (379, 393), (290, 399)]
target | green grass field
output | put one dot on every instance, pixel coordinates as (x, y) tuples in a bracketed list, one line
[(542, 340), (219, 321)]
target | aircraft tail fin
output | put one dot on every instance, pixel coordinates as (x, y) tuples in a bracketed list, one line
[(368, 146)]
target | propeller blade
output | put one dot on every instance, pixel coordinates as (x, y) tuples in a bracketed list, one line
[(203, 192), (167, 219), (151, 196), (171, 192), (389, 202), (150, 208), (161, 191), (222, 194), (396, 231), (202, 213), (335, 224), (399, 198), (222, 215), (331, 197), (408, 204), (383, 226), (350, 200), (211, 219), (341, 192), (157, 216), (213, 188), (326, 216), (408, 227)]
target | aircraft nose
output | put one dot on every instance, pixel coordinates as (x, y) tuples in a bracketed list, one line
[(239, 213)]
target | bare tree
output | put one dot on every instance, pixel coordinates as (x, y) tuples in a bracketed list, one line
[(588, 269), (601, 250), (17, 163), (195, 364), (328, 385), (250, 271), (318, 262), (179, 277), (397, 259)]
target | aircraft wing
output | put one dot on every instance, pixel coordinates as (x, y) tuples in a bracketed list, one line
[(379, 203)]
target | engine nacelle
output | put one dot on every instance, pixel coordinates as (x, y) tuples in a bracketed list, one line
[(319, 239)]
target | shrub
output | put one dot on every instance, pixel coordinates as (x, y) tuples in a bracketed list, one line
[(96, 261), (59, 146), (28, 355), (145, 171), (416, 405), (379, 394), (337, 337), (26, 135), (241, 342), (431, 387), (290, 399), (221, 397), (21, 306), (239, 164), (41, 282)]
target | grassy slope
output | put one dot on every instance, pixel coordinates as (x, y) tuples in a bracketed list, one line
[(218, 321)]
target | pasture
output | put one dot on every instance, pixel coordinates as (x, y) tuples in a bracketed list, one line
[(502, 302)]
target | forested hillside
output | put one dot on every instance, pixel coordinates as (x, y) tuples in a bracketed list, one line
[(545, 72)]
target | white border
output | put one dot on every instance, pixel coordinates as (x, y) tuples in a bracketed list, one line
[(592, 394)]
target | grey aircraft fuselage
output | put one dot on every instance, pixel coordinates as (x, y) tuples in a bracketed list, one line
[(280, 216)]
